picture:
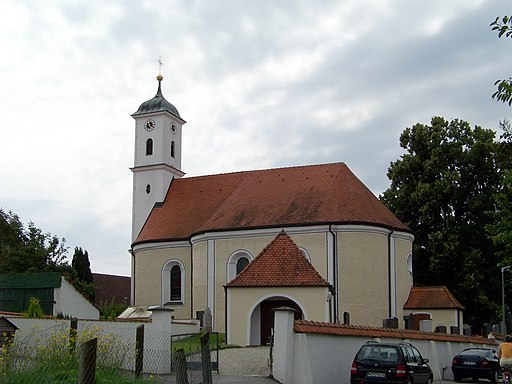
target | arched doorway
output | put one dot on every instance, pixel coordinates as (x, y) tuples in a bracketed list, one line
[(262, 318)]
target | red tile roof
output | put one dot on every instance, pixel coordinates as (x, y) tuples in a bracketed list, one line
[(281, 263), (431, 297), (304, 326), (295, 196), (111, 289)]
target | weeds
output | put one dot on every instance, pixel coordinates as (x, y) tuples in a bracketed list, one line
[(48, 358)]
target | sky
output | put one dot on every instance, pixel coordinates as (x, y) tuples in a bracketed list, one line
[(261, 84)]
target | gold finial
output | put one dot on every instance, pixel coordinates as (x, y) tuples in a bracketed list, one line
[(159, 61)]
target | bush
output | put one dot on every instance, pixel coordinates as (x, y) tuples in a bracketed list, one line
[(34, 309)]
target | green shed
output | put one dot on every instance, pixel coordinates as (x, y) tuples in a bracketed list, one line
[(16, 290)]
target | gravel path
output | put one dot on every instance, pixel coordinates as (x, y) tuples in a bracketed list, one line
[(249, 361)]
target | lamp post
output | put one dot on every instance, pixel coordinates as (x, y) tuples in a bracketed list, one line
[(503, 269)]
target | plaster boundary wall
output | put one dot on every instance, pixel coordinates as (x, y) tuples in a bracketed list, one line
[(307, 352)]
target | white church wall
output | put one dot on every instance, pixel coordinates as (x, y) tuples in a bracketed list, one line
[(224, 247), (312, 239), (403, 247), (363, 276), (314, 243), (200, 278), (148, 274), (362, 253)]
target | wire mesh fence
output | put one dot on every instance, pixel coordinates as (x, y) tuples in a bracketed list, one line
[(56, 355), (201, 353)]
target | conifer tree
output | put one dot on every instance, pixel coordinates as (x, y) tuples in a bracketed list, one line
[(81, 265)]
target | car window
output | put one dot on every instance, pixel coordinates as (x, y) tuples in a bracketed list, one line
[(417, 355), (411, 356), (475, 352), (383, 353)]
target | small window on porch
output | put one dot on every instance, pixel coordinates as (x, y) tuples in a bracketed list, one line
[(236, 263), (241, 263)]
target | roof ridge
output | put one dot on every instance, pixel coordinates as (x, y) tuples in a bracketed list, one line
[(263, 170), (269, 198)]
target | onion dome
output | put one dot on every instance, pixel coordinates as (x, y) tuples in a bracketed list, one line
[(157, 104)]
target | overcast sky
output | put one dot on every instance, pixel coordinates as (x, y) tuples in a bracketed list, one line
[(261, 84)]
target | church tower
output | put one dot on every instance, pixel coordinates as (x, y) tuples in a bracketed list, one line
[(158, 133)]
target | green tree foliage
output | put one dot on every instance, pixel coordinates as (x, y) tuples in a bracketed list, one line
[(110, 310), (500, 229), (29, 249), (82, 275), (34, 309), (80, 263), (444, 189), (504, 87)]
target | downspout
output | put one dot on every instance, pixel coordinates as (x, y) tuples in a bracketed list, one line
[(226, 313), (389, 274), (132, 282), (459, 325), (391, 279), (191, 279), (334, 273)]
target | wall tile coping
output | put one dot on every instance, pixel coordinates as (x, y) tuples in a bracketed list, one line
[(304, 326)]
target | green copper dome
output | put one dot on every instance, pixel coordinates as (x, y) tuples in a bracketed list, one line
[(157, 104)]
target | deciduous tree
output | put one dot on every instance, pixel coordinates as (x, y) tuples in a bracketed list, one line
[(29, 249), (504, 87), (444, 189)]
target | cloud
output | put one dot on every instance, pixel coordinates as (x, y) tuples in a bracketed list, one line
[(260, 84)]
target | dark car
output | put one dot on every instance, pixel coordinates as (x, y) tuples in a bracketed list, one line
[(390, 363), (476, 363)]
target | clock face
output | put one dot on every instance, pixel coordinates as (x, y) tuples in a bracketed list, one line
[(149, 125), (173, 128)]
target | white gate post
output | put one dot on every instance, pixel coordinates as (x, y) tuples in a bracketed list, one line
[(282, 368)]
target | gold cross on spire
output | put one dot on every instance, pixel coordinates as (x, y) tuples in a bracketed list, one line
[(159, 77), (160, 65)]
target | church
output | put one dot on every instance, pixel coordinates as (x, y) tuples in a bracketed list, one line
[(313, 238)]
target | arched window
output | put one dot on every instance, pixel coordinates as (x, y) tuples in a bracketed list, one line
[(241, 263), (409, 263), (149, 147), (172, 149), (236, 263), (305, 253), (173, 283)]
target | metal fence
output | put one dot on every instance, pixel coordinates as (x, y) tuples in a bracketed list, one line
[(201, 355), (56, 355)]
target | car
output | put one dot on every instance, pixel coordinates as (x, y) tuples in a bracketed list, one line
[(476, 363), (390, 363)]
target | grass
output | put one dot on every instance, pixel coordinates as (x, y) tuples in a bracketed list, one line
[(192, 343), (40, 374), (49, 358)]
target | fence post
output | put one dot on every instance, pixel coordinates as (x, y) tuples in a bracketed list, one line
[(206, 360), (87, 363), (73, 327), (181, 366), (139, 350)]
